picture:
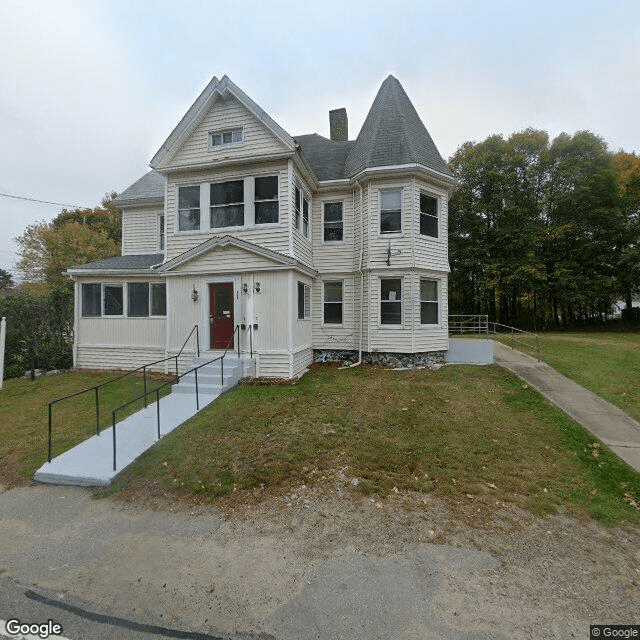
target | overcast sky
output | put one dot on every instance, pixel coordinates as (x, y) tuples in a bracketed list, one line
[(90, 90)]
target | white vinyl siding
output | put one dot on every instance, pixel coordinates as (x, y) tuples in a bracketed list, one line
[(227, 116), (140, 230)]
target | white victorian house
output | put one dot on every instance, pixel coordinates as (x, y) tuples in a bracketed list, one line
[(288, 246)]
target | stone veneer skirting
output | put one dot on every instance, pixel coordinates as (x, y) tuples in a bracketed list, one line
[(408, 360)]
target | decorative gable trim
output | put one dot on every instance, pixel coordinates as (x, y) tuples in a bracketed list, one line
[(279, 259), (216, 89)]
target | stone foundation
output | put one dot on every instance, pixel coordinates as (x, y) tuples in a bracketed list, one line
[(384, 358)]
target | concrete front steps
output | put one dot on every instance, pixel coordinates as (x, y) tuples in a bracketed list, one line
[(90, 463)]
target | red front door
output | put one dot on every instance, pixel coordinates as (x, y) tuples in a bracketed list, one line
[(221, 315)]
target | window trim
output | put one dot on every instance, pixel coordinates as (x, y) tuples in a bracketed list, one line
[(221, 132), (305, 217), (324, 221), (124, 300), (437, 216), (399, 231), (162, 232), (341, 303), (256, 200), (178, 209), (82, 286), (393, 325), (306, 301), (436, 301), (230, 204), (297, 206)]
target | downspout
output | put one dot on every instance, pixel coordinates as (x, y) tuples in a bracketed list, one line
[(359, 362)]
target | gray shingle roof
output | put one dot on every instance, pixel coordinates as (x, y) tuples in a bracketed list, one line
[(148, 189), (325, 156), (393, 134), (145, 261)]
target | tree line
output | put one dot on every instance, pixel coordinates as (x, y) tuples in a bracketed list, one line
[(39, 311), (543, 233)]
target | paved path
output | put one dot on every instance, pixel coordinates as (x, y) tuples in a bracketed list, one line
[(619, 431)]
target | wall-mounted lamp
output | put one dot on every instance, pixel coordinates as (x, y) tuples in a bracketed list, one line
[(257, 287), (245, 288), (194, 294)]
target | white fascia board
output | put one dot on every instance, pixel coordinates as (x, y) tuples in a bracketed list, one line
[(443, 178), (184, 127), (329, 185), (79, 273), (308, 271), (200, 166)]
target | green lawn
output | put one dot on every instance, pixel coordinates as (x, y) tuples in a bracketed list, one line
[(24, 417), (607, 363), (474, 436)]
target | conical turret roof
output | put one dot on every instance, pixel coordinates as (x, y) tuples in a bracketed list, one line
[(393, 134)]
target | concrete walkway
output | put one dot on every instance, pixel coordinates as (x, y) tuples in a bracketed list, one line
[(90, 464), (620, 432)]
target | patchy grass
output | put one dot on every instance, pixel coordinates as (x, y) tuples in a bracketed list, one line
[(607, 363), (24, 416), (474, 436)]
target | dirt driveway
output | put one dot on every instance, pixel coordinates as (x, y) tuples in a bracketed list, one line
[(318, 563)]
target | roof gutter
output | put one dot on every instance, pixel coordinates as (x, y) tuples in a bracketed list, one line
[(413, 167)]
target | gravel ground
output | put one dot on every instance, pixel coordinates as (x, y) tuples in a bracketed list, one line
[(321, 562)]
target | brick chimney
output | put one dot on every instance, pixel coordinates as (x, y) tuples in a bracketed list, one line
[(338, 124)]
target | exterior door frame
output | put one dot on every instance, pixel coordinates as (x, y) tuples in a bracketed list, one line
[(207, 304)]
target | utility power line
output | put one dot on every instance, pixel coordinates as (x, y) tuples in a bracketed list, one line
[(60, 204)]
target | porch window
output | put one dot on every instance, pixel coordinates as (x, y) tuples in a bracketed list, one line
[(429, 302), (227, 204), (91, 300), (391, 301), (266, 199), (112, 300), (332, 303), (390, 211), (188, 208), (428, 215), (158, 292), (304, 301), (333, 225), (138, 299)]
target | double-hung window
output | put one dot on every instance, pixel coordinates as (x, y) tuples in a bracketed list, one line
[(188, 208), (305, 217), (223, 138), (428, 215), (332, 303), (297, 205), (161, 232), (390, 211), (266, 199), (429, 302), (333, 224), (304, 301), (391, 301), (227, 204)]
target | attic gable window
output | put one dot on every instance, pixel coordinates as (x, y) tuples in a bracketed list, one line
[(227, 204), (428, 215), (390, 211), (189, 208), (224, 138)]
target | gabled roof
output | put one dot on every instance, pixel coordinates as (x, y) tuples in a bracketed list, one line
[(214, 90), (136, 262), (326, 157), (232, 241), (147, 190), (392, 135)]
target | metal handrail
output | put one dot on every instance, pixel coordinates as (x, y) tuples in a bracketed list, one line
[(96, 388), (470, 323), (515, 331), (193, 370)]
